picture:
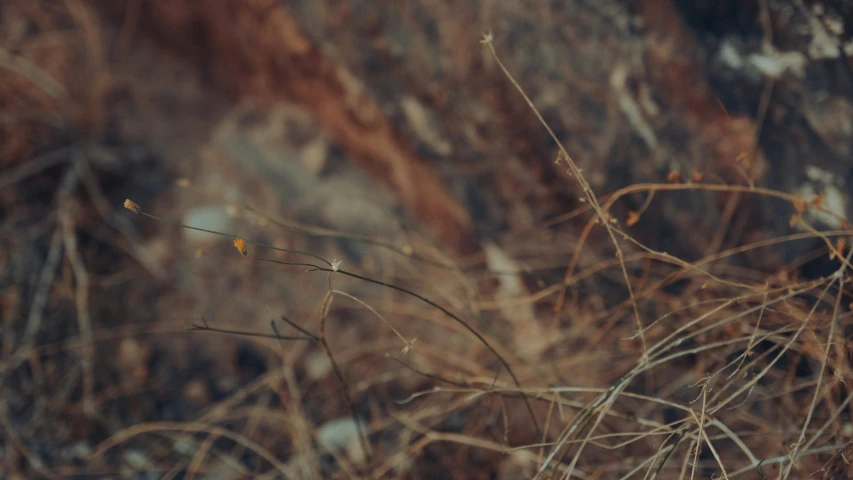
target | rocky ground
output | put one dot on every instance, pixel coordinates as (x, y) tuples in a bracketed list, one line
[(716, 136)]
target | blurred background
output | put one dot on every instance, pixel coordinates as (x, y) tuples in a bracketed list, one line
[(339, 121)]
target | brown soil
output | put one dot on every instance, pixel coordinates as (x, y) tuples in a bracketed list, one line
[(386, 136)]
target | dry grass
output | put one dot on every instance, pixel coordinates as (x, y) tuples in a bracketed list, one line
[(740, 373), (571, 351), (699, 369)]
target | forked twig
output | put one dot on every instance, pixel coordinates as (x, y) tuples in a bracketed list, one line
[(603, 217), (334, 267)]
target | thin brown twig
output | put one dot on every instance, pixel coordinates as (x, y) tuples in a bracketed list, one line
[(35, 463), (362, 435), (196, 427), (454, 317), (204, 327), (33, 166), (802, 437), (84, 319), (602, 215), (231, 235)]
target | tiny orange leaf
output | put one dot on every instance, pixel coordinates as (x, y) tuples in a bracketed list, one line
[(795, 219), (840, 243), (633, 218), (697, 176), (817, 201), (674, 177), (241, 246)]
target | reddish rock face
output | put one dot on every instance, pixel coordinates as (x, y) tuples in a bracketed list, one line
[(724, 88)]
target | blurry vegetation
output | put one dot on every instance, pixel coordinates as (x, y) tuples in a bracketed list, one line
[(360, 240)]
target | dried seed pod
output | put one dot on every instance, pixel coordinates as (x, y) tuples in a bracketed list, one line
[(131, 205)]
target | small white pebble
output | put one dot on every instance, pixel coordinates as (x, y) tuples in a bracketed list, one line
[(317, 366), (341, 434), (208, 217), (136, 459)]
